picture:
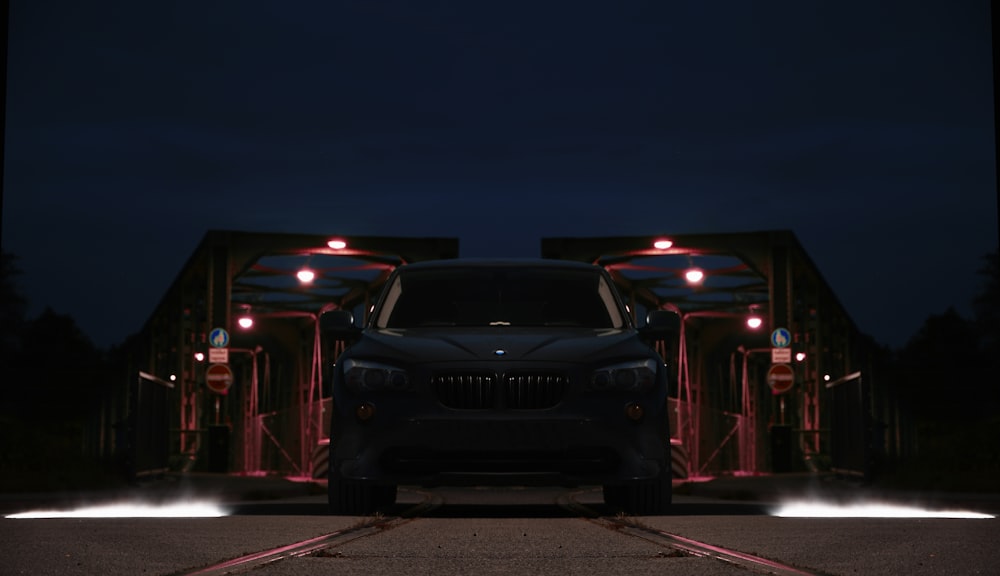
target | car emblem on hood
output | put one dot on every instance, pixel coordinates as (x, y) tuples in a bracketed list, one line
[(499, 352)]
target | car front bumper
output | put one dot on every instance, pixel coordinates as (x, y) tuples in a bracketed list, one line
[(463, 447)]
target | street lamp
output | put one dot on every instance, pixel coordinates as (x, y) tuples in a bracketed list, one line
[(663, 244), (305, 276), (694, 275)]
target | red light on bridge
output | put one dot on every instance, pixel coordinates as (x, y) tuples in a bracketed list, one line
[(662, 244), (305, 276), (337, 244)]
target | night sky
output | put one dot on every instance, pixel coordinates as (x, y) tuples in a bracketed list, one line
[(135, 126)]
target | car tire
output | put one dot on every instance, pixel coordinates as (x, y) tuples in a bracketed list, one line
[(358, 497), (641, 498)]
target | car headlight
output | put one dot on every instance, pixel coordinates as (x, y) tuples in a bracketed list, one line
[(365, 376), (639, 375)]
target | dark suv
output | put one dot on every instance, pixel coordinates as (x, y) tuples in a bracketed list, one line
[(480, 372)]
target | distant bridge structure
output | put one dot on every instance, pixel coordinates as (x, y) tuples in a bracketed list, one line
[(272, 417)]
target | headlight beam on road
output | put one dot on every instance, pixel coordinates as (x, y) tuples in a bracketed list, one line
[(194, 509), (814, 509)]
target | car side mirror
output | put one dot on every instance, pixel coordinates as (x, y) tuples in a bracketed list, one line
[(338, 324), (660, 323)]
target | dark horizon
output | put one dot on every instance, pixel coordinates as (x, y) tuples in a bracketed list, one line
[(868, 131)]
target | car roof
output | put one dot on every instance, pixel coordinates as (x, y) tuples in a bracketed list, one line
[(501, 263)]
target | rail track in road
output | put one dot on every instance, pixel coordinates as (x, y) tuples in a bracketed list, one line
[(674, 545), (681, 545), (368, 526)]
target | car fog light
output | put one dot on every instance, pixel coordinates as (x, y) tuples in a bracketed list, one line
[(633, 412), (365, 411)]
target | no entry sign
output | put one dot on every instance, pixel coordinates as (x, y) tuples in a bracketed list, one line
[(780, 377), (218, 378)]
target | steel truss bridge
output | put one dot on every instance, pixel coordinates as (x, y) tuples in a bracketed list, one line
[(271, 416)]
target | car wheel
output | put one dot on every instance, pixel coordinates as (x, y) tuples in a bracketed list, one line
[(358, 497), (641, 498)]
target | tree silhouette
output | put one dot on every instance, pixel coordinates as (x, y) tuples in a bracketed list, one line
[(59, 368), (986, 306), (52, 382), (938, 368), (946, 375), (13, 307)]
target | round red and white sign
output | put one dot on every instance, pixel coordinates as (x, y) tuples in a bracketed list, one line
[(781, 378), (218, 378)]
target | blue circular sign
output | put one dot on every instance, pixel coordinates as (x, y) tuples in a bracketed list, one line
[(218, 338), (781, 338)]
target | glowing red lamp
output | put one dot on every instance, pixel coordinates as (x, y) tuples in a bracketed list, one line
[(305, 276)]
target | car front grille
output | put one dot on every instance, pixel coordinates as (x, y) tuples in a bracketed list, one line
[(466, 391), (518, 392), (533, 391)]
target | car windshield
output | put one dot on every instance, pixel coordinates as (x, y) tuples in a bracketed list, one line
[(499, 297)]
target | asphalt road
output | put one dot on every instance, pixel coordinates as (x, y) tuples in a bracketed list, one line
[(498, 531)]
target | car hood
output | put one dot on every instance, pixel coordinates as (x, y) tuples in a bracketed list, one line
[(417, 346)]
